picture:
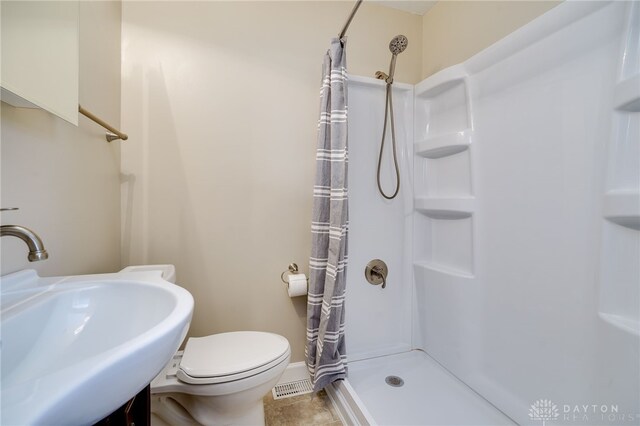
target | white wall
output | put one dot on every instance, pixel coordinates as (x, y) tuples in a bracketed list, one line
[(66, 179), (378, 321), (221, 103)]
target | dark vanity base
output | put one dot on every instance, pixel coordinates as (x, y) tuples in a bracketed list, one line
[(135, 412)]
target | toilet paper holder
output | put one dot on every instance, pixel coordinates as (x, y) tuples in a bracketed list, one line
[(292, 269)]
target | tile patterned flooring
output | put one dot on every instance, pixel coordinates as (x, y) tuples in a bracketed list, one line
[(307, 410)]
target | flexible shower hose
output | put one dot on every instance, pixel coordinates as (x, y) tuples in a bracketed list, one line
[(389, 109)]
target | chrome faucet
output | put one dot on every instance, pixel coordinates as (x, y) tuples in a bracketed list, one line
[(36, 248)]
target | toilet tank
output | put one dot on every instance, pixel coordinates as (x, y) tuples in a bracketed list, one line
[(168, 271)]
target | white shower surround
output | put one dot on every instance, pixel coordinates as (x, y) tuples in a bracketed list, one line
[(519, 216), (379, 228)]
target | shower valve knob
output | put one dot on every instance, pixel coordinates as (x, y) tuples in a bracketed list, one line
[(376, 272)]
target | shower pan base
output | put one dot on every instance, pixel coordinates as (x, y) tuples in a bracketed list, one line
[(430, 394)]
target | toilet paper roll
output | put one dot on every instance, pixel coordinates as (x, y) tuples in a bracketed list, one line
[(297, 285)]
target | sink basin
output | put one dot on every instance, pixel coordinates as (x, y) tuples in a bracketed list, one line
[(76, 348)]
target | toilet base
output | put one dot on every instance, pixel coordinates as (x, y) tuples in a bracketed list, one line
[(159, 421), (177, 409)]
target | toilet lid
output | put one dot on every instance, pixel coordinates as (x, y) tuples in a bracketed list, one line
[(231, 354)]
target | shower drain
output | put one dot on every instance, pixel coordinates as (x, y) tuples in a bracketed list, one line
[(394, 381)]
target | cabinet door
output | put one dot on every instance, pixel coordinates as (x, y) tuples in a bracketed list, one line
[(39, 41)]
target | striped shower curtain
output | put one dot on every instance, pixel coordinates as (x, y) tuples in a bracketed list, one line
[(325, 349)]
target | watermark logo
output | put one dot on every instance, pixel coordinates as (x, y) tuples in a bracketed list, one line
[(544, 410)]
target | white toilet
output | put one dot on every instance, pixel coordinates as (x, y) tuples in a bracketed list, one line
[(218, 379)]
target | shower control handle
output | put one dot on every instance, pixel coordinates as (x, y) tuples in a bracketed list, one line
[(376, 273), (376, 270)]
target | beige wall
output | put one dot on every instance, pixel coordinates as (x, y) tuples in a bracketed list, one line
[(65, 179), (221, 102), (453, 31)]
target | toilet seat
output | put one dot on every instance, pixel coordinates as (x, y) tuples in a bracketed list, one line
[(227, 357)]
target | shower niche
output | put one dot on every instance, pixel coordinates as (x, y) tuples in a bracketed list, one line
[(619, 293), (444, 199)]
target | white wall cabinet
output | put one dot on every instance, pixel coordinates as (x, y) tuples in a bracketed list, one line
[(39, 42)]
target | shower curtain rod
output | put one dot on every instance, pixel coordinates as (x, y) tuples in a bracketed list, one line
[(346, 24)]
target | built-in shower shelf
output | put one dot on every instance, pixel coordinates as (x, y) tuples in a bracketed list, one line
[(445, 208), (627, 324), (627, 94), (445, 145), (623, 208), (430, 271)]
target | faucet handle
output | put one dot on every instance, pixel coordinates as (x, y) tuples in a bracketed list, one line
[(6, 209)]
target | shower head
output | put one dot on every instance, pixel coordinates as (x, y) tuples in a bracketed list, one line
[(398, 44)]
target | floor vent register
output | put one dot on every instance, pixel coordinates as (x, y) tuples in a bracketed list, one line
[(287, 390)]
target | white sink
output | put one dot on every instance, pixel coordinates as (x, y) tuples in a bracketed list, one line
[(76, 348)]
